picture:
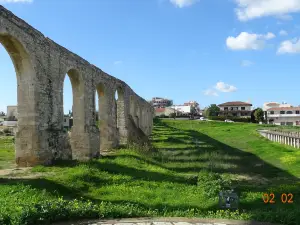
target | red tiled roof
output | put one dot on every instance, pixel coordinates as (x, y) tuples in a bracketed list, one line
[(160, 109), (237, 103), (283, 108), (272, 103)]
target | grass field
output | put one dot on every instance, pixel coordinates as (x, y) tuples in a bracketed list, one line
[(7, 156), (191, 161)]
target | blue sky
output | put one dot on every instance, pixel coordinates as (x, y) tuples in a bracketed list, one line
[(211, 51)]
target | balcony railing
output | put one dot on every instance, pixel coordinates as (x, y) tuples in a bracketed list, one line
[(283, 115)]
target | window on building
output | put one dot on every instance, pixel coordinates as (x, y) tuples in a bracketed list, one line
[(282, 112), (297, 112), (289, 112), (225, 108), (282, 123), (272, 112), (243, 108), (289, 123), (65, 120)]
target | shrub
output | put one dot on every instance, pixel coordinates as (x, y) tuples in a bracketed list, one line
[(7, 131), (212, 183), (172, 115)]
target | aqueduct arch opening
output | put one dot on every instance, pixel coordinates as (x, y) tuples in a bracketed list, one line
[(77, 101), (120, 115), (26, 144)]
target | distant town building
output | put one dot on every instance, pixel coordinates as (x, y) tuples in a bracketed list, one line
[(68, 121), (183, 109), (195, 105), (284, 116), (158, 102), (166, 111), (235, 109), (269, 105), (12, 112)]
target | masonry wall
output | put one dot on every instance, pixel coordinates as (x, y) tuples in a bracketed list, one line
[(41, 66)]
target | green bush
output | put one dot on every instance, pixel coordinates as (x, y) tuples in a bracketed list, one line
[(213, 183)]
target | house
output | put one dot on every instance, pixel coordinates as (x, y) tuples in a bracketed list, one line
[(268, 105), (195, 105), (235, 109), (68, 121), (12, 112), (185, 110), (284, 116), (158, 102), (166, 111)]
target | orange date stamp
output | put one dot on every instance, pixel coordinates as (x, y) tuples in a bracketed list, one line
[(269, 198)]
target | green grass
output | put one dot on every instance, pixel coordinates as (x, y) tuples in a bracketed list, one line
[(190, 163), (7, 153)]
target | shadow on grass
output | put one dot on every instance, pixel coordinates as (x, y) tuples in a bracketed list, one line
[(241, 162)]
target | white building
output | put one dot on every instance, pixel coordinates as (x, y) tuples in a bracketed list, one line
[(68, 121), (12, 111), (284, 116), (184, 109)]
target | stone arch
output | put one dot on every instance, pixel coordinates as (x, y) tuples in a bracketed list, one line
[(120, 107), (77, 92), (102, 115), (78, 104), (27, 144), (120, 115)]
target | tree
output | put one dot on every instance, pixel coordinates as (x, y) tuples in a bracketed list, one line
[(212, 110), (2, 113), (172, 115), (259, 115)]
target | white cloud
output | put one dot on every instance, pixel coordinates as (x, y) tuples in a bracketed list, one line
[(250, 9), (15, 1), (210, 92), (289, 46), (284, 17), (118, 62), (268, 36), (183, 3), (283, 33), (248, 41), (221, 86), (246, 63)]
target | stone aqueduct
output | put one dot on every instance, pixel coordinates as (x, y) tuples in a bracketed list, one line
[(41, 66)]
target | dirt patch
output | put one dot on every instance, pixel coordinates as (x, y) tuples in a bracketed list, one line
[(14, 171), (24, 173), (254, 179)]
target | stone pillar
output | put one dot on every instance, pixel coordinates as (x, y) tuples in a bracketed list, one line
[(108, 127), (121, 118)]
